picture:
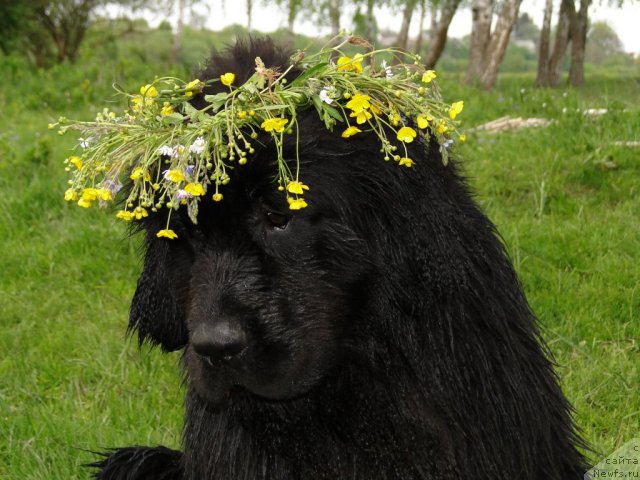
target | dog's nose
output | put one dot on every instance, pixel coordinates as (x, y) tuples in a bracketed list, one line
[(221, 340)]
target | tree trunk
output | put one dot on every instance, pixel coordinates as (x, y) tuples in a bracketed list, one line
[(439, 33), (334, 16), (370, 24), (499, 42), (578, 43), (249, 13), (567, 12), (403, 35), (177, 38), (542, 78), (481, 11), (423, 13)]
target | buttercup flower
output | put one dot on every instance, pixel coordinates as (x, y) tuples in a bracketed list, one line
[(198, 146), (348, 64), (139, 173), (194, 86), (423, 121), (406, 162), (216, 197), (173, 175), (70, 195), (350, 132), (274, 124), (455, 109), (227, 78), (167, 233), (148, 91), (296, 187), (167, 109), (406, 134), (125, 215), (361, 117), (76, 161), (428, 76), (462, 138), (195, 189), (359, 102), (296, 203), (140, 213), (441, 128)]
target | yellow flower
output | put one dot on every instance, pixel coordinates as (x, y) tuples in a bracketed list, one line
[(242, 114), (76, 161), (174, 175), (428, 76), (194, 86), (406, 134), (361, 117), (423, 122), (148, 91), (124, 215), (104, 194), (351, 131), (296, 187), (462, 138), (217, 197), (395, 119), (70, 195), (455, 109), (167, 109), (441, 128), (406, 162), (167, 233), (136, 103), (296, 203), (138, 173), (84, 203), (274, 124), (194, 189), (90, 194), (228, 78), (140, 213), (348, 64), (359, 102)]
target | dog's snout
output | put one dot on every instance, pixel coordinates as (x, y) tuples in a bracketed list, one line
[(221, 340)]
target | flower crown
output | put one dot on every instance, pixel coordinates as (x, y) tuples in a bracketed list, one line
[(175, 154)]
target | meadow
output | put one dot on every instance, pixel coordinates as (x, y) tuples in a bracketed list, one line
[(564, 198)]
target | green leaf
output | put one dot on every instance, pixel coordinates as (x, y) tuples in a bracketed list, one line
[(217, 100), (173, 119), (307, 73)]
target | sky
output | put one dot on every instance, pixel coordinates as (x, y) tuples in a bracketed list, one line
[(625, 20)]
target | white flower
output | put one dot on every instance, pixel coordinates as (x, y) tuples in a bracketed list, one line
[(198, 146), (324, 94), (84, 142), (183, 194), (165, 151), (387, 70)]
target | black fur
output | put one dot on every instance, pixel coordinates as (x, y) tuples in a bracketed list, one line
[(388, 335)]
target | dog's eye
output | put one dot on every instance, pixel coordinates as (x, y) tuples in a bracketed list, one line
[(277, 220)]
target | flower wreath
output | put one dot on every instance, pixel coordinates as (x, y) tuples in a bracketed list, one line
[(175, 154)]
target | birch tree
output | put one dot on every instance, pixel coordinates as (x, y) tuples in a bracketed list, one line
[(442, 16), (488, 47)]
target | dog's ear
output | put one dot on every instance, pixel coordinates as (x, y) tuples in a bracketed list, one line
[(158, 306)]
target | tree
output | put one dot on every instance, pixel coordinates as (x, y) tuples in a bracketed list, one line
[(544, 44), (440, 29), (578, 31), (487, 48), (407, 13), (602, 43)]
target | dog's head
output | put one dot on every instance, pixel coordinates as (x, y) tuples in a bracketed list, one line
[(269, 299)]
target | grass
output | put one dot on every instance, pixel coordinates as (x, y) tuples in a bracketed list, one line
[(564, 198)]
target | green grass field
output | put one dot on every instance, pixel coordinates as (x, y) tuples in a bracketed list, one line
[(564, 197)]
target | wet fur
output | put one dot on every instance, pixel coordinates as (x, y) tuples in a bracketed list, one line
[(435, 370)]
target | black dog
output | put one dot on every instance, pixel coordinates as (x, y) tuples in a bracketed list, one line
[(379, 333)]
